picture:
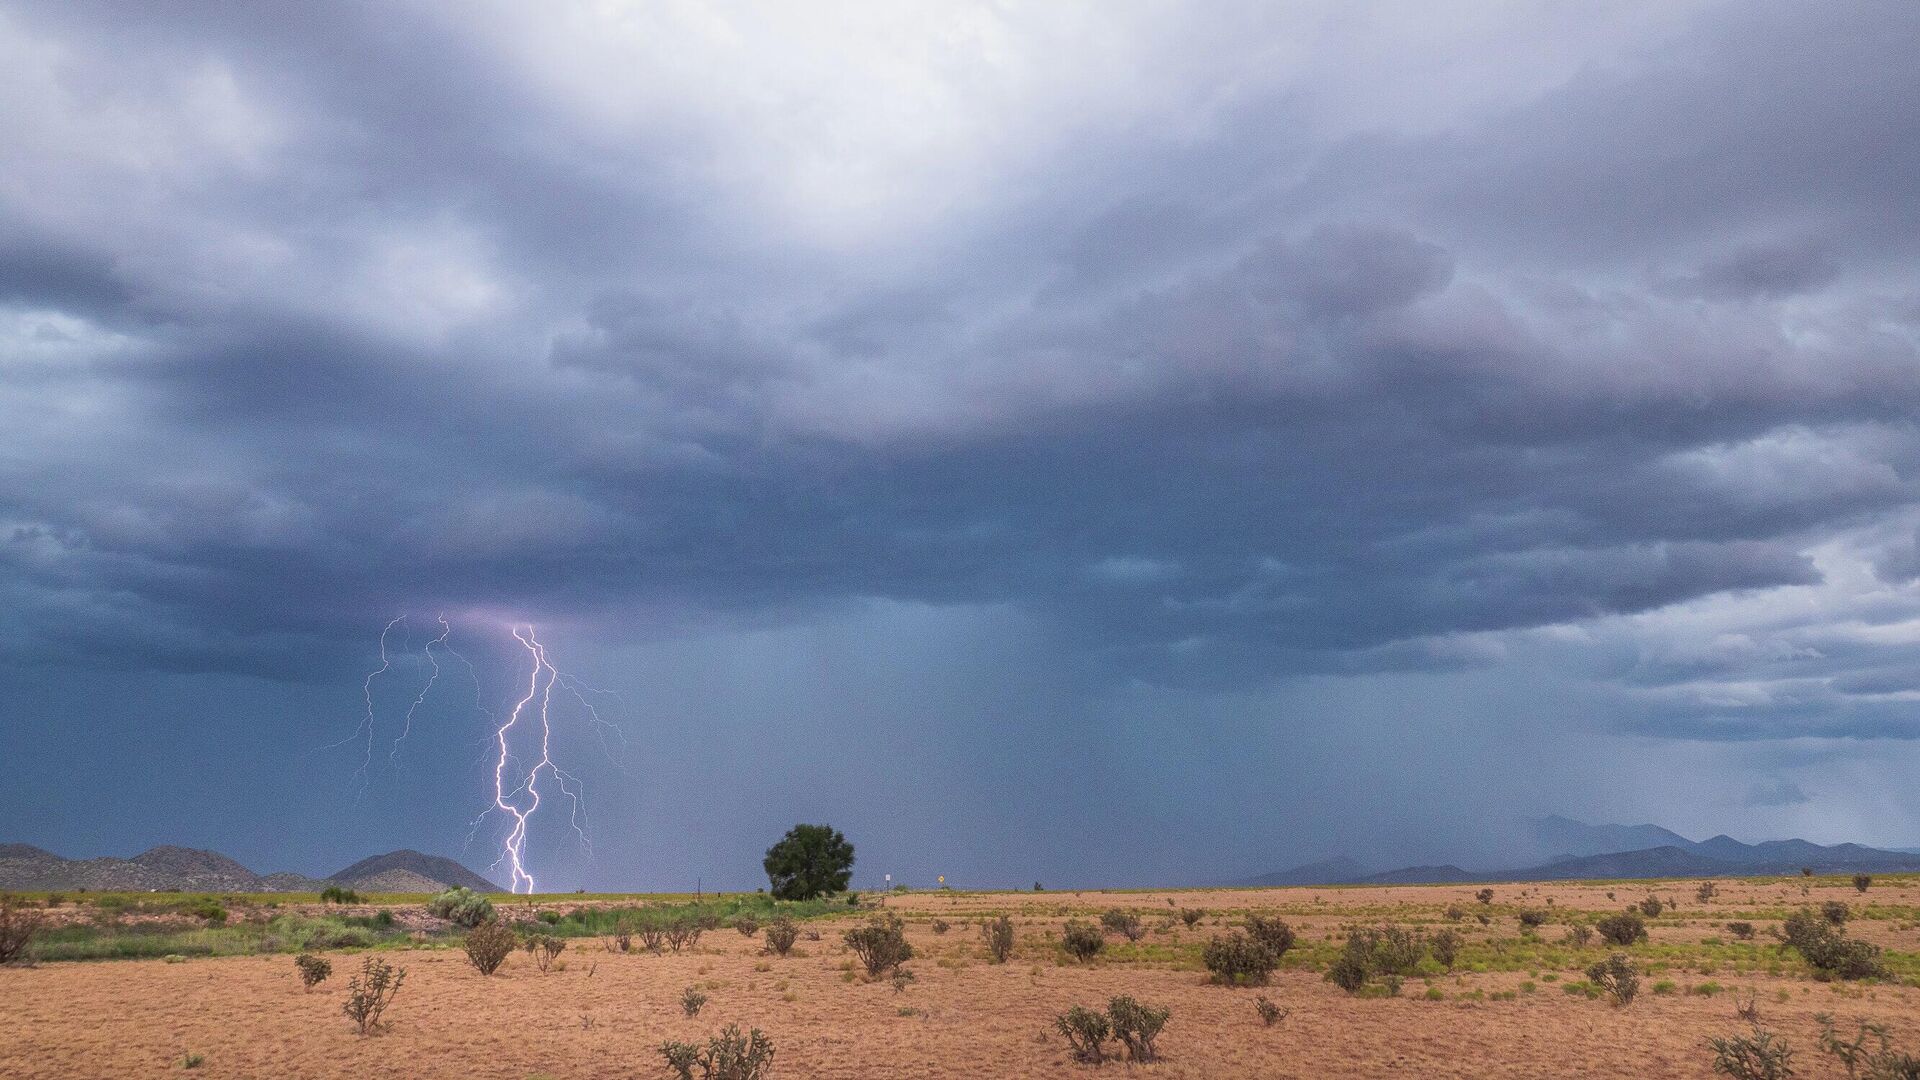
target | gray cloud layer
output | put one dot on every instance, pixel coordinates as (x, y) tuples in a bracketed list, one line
[(1251, 347)]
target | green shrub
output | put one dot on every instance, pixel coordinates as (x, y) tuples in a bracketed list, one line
[(1086, 1032), (1651, 907), (998, 935), (1275, 934), (1835, 912), (462, 907), (487, 946), (1880, 1061), (209, 910), (781, 934), (1123, 922), (881, 945), (313, 969), (1485, 896), (1741, 930), (1192, 916), (1136, 1026), (334, 894), (1238, 959), (1445, 947), (941, 926), (545, 949), (1270, 1014), (1081, 940), (1532, 918), (18, 925), (1828, 951), (371, 992), (1759, 1056), (691, 1001), (1624, 929), (727, 1056), (1861, 882), (1616, 978)]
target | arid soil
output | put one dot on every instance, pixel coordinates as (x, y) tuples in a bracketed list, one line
[(605, 1014)]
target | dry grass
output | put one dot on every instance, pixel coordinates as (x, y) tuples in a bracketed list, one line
[(965, 1017)]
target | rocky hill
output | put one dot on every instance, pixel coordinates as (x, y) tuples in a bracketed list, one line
[(26, 868)]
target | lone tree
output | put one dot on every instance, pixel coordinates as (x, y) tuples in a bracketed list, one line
[(808, 861)]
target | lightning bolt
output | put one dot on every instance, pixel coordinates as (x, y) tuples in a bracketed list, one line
[(393, 756), (517, 794)]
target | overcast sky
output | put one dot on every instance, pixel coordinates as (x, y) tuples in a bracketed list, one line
[(1101, 443)]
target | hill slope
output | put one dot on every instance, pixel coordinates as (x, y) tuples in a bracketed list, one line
[(432, 868), (26, 868)]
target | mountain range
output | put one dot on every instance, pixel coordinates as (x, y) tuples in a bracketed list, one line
[(1580, 850), (27, 868)]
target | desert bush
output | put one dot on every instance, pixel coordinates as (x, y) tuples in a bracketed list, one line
[(545, 949), (1532, 918), (1861, 882), (1759, 1056), (1748, 1010), (487, 946), (1616, 978), (998, 935), (881, 945), (727, 1056), (1835, 912), (1706, 892), (1136, 1026), (1453, 913), (370, 992), (1081, 940), (1623, 929), (1270, 1014), (1123, 922), (313, 969), (691, 1000), (1275, 934), (1579, 935), (1651, 907), (1879, 1061), (1485, 896), (1828, 951), (781, 933), (1192, 916), (208, 910), (1385, 950), (18, 925), (747, 925), (334, 894), (653, 937), (1445, 947), (1238, 959), (1741, 930), (680, 933), (462, 907), (621, 939), (940, 926), (1086, 1031)]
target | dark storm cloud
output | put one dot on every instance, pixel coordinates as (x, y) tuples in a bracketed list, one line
[(404, 326)]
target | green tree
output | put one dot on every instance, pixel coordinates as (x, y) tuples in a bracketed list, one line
[(808, 861)]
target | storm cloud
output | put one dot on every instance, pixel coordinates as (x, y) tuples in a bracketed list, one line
[(1218, 364)]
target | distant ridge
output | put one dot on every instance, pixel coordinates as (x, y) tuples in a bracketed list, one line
[(24, 867), (433, 868), (1579, 850)]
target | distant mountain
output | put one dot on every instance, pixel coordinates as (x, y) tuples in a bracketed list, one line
[(1556, 837), (1421, 875), (1325, 872), (27, 868), (431, 868), (1563, 849)]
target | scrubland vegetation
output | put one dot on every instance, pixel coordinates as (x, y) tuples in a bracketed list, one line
[(1805, 976)]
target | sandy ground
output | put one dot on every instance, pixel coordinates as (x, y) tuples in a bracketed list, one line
[(605, 1014)]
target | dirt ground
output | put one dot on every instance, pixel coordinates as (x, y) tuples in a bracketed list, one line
[(606, 1014)]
